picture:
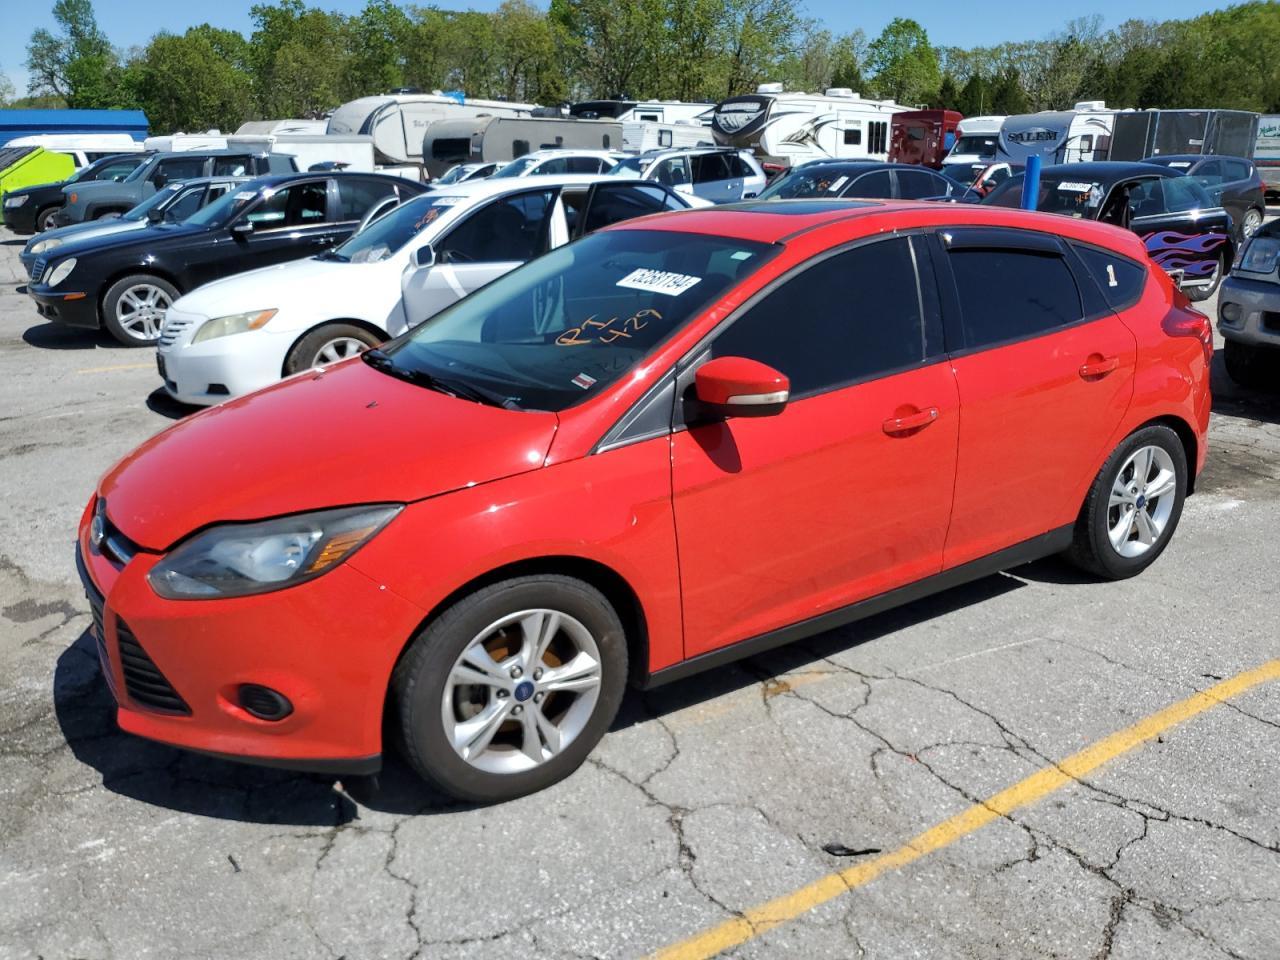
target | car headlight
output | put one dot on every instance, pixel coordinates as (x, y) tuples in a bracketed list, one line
[(238, 559), (44, 246), (11, 202), (1261, 255), (233, 323), (61, 272)]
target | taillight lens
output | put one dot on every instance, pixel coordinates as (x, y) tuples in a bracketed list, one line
[(1190, 323)]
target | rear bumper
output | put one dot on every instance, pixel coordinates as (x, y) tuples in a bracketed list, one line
[(73, 307), (1249, 311)]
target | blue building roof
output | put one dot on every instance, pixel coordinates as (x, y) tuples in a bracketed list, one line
[(27, 123)]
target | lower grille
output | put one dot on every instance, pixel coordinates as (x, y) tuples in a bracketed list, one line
[(143, 681), (96, 608)]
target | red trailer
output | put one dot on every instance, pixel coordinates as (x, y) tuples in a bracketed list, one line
[(922, 136)]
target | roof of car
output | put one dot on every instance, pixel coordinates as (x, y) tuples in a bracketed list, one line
[(492, 187), (1108, 171), (670, 151), (277, 179), (1191, 158), (211, 152)]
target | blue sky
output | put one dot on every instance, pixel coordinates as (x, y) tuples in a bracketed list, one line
[(132, 22)]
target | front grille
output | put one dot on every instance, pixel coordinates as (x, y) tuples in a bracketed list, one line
[(143, 681), (173, 328), (1271, 321), (37, 269)]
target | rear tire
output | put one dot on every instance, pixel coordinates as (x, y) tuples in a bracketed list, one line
[(1252, 221), (1198, 294), (509, 689), (133, 309), (1133, 506), (328, 343), (1252, 366)]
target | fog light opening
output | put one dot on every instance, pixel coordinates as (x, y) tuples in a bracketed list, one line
[(263, 702), (1231, 312)]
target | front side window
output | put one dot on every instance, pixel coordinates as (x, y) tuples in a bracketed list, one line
[(1009, 294), (563, 328), (390, 232), (853, 316), (673, 171), (584, 165), (301, 205), (516, 168), (554, 167), (506, 230), (356, 197), (185, 205), (158, 199)]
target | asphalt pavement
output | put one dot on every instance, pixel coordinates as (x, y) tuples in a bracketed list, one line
[(1034, 765)]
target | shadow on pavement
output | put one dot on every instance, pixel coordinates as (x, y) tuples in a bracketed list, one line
[(1232, 400), (160, 402), (55, 336)]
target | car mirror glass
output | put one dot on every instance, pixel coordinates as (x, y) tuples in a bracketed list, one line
[(424, 256)]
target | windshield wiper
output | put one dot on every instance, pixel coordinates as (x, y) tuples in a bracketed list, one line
[(463, 391)]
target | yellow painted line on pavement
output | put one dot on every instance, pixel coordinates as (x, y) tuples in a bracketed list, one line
[(760, 919), (119, 366)]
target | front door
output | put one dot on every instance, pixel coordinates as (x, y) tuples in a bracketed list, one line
[(847, 492), (1183, 229), (713, 180), (489, 242)]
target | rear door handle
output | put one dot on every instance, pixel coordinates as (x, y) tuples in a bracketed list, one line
[(1099, 368), (912, 421)]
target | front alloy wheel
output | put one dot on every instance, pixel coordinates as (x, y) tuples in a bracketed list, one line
[(135, 306), (1252, 221)]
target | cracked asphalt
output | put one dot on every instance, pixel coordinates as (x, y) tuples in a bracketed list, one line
[(708, 798)]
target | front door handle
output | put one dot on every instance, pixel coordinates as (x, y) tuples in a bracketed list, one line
[(911, 421), (1098, 366)]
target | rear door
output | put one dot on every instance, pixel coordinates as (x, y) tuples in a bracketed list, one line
[(615, 202), (921, 184), (713, 180), (847, 492), (488, 242), (877, 185), (294, 221), (1045, 374)]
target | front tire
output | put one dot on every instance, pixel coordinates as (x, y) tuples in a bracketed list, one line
[(1133, 506), (329, 343), (44, 219), (509, 689), (134, 308), (1257, 368), (1251, 222)]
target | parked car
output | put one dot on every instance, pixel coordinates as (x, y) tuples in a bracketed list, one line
[(981, 177), (172, 204), (396, 272), (1230, 182), (98, 200), (542, 163), (865, 179), (32, 209), (461, 172), (125, 283), (1249, 312), (718, 174), (674, 443), (1184, 231)]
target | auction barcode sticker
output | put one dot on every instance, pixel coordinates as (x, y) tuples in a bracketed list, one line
[(658, 281), (1075, 187)]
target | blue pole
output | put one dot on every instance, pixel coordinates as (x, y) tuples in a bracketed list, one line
[(1031, 182)]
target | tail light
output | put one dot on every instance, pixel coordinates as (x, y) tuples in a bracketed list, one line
[(1186, 322)]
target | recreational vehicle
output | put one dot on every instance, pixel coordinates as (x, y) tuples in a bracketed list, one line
[(399, 123), (502, 139), (1266, 152), (924, 137), (1140, 134), (641, 136), (655, 111), (82, 148), (1079, 135), (977, 141), (792, 128)]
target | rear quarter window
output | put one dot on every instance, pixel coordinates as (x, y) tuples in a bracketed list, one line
[(1120, 279)]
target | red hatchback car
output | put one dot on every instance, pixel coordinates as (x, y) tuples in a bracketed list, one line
[(666, 446)]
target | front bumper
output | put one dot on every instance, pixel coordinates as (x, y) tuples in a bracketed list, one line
[(1255, 309), (216, 370), (21, 219), (329, 645), (75, 308)]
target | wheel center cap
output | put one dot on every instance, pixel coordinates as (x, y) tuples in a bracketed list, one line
[(1141, 501), (523, 691)]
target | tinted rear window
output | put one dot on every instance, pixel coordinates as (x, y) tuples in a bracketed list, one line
[(1120, 279), (1011, 294)]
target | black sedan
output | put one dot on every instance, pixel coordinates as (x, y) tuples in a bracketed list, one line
[(31, 209), (1185, 232), (864, 180), (126, 282), (1231, 182)]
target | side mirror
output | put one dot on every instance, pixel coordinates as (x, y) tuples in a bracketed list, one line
[(159, 180), (242, 228), (424, 256), (738, 387), (155, 215)]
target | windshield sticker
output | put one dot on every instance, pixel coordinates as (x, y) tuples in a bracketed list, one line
[(583, 381), (658, 281), (740, 255), (445, 201), (1072, 187), (1180, 165), (246, 195), (592, 330)]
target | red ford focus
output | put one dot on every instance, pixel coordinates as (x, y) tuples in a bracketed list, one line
[(650, 452)]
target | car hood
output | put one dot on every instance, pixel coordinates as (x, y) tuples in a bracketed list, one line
[(34, 188), (149, 236), (77, 232), (265, 287), (349, 435), (93, 188)]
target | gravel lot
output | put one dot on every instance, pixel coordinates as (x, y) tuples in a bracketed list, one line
[(709, 798)]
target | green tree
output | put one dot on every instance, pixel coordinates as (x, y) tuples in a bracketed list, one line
[(1007, 94), (975, 97), (194, 81), (903, 63), (76, 63), (299, 58), (611, 47), (7, 92), (758, 36), (948, 96), (378, 40), (527, 68)]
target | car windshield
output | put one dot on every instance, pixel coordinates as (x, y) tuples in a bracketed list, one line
[(631, 168), (564, 327), (984, 145), (157, 200), (224, 209), (516, 167), (388, 233), (962, 173), (818, 180), (454, 174)]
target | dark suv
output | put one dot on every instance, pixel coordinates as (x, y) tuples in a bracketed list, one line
[(93, 201), (1231, 182), (32, 209)]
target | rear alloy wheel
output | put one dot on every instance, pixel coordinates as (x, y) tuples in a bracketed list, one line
[(1252, 366), (1133, 506), (330, 343), (134, 308), (509, 689), (1252, 221), (1207, 290), (44, 219)]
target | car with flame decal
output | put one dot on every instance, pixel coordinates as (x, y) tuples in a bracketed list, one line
[(1184, 230)]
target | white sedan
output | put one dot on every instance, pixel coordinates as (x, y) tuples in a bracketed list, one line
[(236, 335)]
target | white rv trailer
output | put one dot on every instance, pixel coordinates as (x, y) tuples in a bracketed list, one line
[(398, 122), (977, 141), (641, 136), (354, 153), (1079, 135), (276, 127), (173, 142), (82, 148), (792, 128), (654, 111), (502, 139)]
